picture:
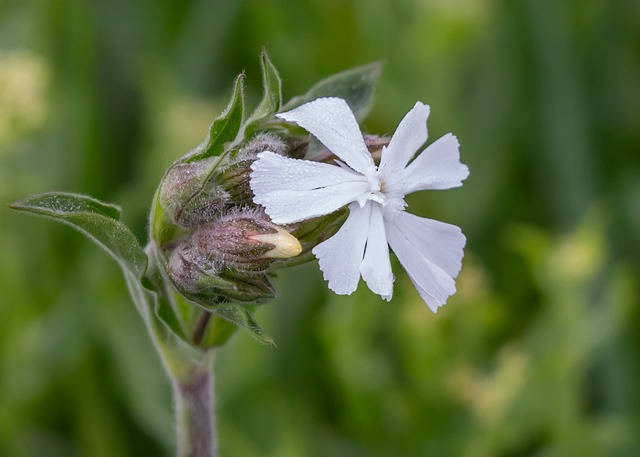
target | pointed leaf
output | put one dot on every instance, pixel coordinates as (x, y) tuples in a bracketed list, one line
[(241, 317), (356, 86), (95, 219), (271, 97), (64, 203), (224, 128)]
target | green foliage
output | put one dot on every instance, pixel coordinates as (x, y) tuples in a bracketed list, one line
[(271, 95), (99, 222), (96, 220), (356, 86), (240, 316), (224, 128)]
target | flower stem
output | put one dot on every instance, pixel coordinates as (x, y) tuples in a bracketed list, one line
[(195, 413), (201, 327)]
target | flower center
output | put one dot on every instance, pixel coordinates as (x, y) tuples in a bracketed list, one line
[(386, 192), (391, 193), (374, 192)]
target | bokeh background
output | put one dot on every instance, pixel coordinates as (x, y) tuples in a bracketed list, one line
[(538, 354)]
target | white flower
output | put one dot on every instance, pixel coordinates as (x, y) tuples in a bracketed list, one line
[(292, 190)]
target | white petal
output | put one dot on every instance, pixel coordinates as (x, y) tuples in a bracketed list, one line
[(407, 139), (288, 206), (440, 242), (430, 251), (273, 172), (437, 167), (332, 122), (292, 190), (376, 266), (341, 255)]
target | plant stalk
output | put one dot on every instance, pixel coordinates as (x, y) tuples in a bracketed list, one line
[(195, 412)]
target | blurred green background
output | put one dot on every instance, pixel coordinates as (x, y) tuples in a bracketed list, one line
[(538, 354)]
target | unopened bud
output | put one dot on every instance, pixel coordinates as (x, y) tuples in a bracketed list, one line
[(188, 196), (193, 194), (204, 283), (262, 142), (244, 240), (286, 245)]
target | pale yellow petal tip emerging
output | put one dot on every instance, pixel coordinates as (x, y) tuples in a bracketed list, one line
[(286, 245)]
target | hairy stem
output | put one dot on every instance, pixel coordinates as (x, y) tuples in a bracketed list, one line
[(195, 414), (190, 370), (201, 327)]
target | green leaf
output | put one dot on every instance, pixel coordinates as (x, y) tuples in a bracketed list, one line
[(65, 203), (99, 222), (241, 317), (271, 97), (356, 86), (224, 128), (95, 219)]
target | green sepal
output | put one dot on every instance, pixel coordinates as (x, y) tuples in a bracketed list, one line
[(310, 233), (240, 316), (226, 317), (356, 85), (318, 229), (244, 289), (162, 229), (97, 220), (223, 129), (271, 95)]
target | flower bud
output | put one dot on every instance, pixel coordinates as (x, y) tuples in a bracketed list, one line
[(229, 257), (262, 142), (188, 196), (245, 241), (200, 282), (192, 194)]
